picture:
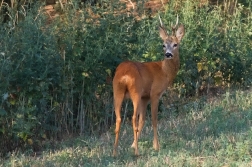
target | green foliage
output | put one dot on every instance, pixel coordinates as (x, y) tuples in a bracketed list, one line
[(30, 71), (56, 74), (217, 41)]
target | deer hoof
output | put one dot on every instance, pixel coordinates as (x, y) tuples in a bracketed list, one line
[(114, 153), (133, 145), (156, 146)]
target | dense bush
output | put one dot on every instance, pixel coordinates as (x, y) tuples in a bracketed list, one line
[(56, 75), (217, 47)]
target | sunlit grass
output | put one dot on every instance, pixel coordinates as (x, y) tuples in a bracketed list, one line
[(218, 134)]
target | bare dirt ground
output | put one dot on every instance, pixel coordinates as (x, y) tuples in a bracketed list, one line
[(131, 5)]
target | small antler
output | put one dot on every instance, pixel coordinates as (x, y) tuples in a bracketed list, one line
[(175, 26), (161, 23)]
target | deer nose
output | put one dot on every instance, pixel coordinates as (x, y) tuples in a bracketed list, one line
[(168, 55)]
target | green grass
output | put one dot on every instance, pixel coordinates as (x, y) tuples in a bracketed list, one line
[(217, 134)]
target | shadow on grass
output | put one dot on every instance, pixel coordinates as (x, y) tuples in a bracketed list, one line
[(199, 132)]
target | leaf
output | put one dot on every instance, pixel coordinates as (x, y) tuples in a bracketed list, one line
[(2, 112), (30, 141)]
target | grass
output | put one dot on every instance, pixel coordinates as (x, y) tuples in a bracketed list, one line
[(217, 134)]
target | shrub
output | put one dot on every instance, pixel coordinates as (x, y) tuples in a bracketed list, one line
[(56, 75)]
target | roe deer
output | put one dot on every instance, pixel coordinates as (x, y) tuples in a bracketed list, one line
[(144, 82)]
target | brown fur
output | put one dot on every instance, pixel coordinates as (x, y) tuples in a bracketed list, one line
[(144, 83)]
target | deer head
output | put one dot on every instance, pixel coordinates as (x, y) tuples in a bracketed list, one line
[(171, 43)]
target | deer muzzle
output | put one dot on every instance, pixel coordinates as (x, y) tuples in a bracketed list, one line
[(168, 55)]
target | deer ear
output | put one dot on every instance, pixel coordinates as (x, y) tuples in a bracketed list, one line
[(180, 32), (163, 33)]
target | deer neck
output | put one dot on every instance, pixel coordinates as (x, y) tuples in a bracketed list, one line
[(170, 67)]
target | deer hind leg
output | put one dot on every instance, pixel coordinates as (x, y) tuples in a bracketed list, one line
[(118, 99), (141, 120), (136, 99)]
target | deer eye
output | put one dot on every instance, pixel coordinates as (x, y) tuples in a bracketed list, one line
[(163, 46), (175, 45)]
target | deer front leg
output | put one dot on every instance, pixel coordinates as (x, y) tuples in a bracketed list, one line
[(154, 111)]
